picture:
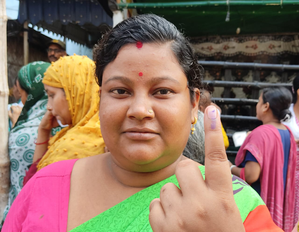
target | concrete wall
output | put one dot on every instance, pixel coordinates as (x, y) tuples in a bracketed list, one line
[(15, 58)]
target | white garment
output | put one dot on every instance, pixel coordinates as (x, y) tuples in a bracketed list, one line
[(21, 148), (295, 131), (292, 124)]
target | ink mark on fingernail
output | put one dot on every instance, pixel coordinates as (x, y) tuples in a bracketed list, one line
[(139, 44), (212, 114)]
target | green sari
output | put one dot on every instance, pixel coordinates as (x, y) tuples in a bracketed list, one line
[(30, 79), (132, 214)]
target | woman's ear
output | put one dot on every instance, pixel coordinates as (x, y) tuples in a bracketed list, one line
[(195, 104), (266, 107)]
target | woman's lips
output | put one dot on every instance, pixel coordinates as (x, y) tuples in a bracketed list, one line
[(136, 135), (140, 133)]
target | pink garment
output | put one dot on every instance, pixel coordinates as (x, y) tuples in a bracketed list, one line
[(293, 124), (242, 174), (265, 145), (296, 228), (297, 189), (42, 205)]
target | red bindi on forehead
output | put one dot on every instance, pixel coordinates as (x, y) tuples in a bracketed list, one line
[(140, 74), (139, 44)]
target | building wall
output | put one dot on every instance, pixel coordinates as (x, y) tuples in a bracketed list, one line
[(15, 58)]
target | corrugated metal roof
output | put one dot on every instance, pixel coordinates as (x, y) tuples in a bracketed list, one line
[(82, 21), (222, 17)]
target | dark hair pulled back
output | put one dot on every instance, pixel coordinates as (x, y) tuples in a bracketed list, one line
[(279, 99), (295, 88), (21, 86), (148, 28)]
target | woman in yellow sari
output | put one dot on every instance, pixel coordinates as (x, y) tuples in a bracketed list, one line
[(73, 100)]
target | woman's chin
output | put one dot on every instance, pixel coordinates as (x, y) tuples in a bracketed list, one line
[(148, 161), (142, 159)]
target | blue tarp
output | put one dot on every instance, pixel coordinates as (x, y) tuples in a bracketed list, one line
[(66, 11)]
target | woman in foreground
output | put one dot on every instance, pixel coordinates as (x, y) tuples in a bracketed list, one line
[(267, 158), (149, 100)]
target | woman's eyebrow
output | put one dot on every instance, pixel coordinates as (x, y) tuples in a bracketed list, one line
[(152, 80), (120, 78), (165, 78)]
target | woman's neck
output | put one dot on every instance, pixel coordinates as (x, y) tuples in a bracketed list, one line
[(271, 120), (276, 124), (140, 179), (296, 109)]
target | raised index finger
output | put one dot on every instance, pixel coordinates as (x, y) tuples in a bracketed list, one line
[(218, 175)]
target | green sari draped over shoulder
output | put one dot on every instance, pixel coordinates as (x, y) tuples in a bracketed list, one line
[(132, 214)]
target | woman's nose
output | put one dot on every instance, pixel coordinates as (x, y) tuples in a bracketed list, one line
[(140, 108), (49, 107)]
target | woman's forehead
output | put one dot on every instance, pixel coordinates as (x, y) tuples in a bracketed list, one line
[(136, 56), (149, 60), (51, 88)]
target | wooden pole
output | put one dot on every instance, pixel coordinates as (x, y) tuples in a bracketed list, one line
[(25, 43), (4, 159)]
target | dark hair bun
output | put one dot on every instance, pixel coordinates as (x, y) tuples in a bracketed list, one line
[(279, 99), (285, 115)]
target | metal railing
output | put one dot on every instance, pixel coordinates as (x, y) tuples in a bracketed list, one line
[(225, 102), (227, 64), (256, 84), (235, 101)]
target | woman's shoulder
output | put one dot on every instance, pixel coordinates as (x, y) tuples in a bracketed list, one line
[(58, 169), (51, 186), (264, 129), (262, 135)]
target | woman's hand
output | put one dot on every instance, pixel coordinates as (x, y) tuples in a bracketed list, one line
[(14, 113), (200, 205), (48, 122), (43, 135)]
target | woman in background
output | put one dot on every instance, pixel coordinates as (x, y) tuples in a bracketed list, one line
[(14, 109), (24, 133), (267, 158), (293, 124), (73, 102)]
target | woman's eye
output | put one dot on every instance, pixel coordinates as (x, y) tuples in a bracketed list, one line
[(119, 91), (163, 91)]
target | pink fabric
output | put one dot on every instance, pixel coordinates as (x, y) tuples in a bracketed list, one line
[(43, 202), (293, 124), (265, 145), (242, 174), (297, 189), (30, 173)]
